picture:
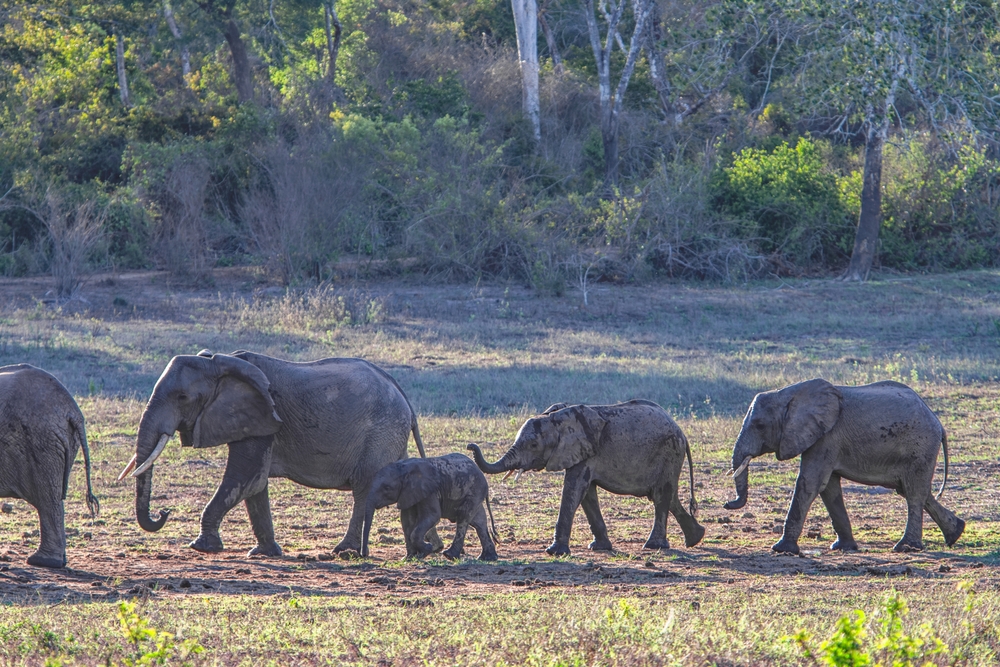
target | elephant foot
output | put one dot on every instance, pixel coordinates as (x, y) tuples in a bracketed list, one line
[(658, 543), (784, 546), (908, 547), (452, 554), (488, 555), (557, 549), (844, 545), (694, 537), (952, 536), (603, 544), (40, 560), (347, 545), (273, 550), (207, 544)]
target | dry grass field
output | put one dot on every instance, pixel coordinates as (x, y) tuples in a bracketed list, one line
[(476, 362)]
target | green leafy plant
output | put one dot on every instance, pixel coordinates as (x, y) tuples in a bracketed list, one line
[(151, 646), (892, 646)]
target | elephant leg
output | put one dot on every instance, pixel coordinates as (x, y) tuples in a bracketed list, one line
[(807, 487), (408, 519), (458, 544), (592, 510), (833, 498), (951, 526), (51, 534), (575, 485), (428, 515), (259, 509), (246, 475), (693, 531), (478, 521), (913, 536)]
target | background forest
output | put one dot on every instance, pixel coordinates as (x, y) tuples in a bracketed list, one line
[(722, 139)]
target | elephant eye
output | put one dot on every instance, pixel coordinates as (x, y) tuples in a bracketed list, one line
[(182, 396)]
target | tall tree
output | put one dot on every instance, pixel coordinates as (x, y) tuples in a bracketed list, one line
[(611, 99), (223, 13), (175, 30), (526, 27)]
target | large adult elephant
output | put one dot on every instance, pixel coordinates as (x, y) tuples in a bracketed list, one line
[(328, 424), (880, 434)]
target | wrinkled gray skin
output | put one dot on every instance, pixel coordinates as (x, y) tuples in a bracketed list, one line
[(879, 434), (327, 424), (41, 430), (631, 448), (425, 490)]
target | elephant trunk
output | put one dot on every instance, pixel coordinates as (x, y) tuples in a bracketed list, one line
[(369, 517), (741, 475), (503, 465), (150, 441)]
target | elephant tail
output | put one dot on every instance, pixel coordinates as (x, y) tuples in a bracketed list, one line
[(693, 505), (944, 446), (80, 431), (493, 525)]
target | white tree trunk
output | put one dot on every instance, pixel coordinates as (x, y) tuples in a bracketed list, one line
[(168, 13), (526, 26), (122, 79)]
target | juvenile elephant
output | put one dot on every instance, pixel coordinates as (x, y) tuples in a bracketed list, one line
[(879, 434), (327, 424), (41, 430), (425, 490), (631, 448)]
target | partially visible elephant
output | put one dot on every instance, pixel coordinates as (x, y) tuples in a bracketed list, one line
[(425, 490), (631, 448), (41, 430), (880, 434), (327, 424)]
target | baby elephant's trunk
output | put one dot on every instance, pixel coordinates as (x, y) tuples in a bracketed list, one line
[(369, 515)]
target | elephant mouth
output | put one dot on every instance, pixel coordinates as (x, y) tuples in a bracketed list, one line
[(742, 466)]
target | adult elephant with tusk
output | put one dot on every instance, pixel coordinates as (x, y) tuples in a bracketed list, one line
[(879, 434), (329, 424), (631, 448)]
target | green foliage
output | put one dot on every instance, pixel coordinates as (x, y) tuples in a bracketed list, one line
[(893, 646), (151, 646), (788, 199)]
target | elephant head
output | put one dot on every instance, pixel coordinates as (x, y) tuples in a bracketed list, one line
[(211, 400), (787, 422), (405, 483), (558, 439)]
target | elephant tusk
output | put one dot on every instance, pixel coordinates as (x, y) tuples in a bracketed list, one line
[(509, 473), (518, 475), (129, 468), (743, 466), (148, 463)]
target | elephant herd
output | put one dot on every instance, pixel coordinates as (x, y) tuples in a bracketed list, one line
[(344, 424)]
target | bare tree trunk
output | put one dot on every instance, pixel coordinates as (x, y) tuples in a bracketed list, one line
[(656, 61), (122, 78), (550, 41), (175, 30), (526, 26), (242, 75), (332, 39), (611, 105), (866, 237)]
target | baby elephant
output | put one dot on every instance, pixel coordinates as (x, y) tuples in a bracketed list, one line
[(879, 434), (427, 489), (631, 448), (41, 430)]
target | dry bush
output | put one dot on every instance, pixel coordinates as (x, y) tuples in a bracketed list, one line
[(183, 235), (73, 232), (319, 309)]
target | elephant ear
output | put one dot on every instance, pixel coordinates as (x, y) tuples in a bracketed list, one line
[(555, 407), (813, 409), (418, 484), (241, 407), (577, 431)]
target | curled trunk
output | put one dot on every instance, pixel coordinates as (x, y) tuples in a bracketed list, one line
[(742, 487), (143, 488), (503, 465)]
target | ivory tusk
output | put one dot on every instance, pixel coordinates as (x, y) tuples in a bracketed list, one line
[(518, 475), (129, 468), (509, 473), (743, 466), (148, 463)]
